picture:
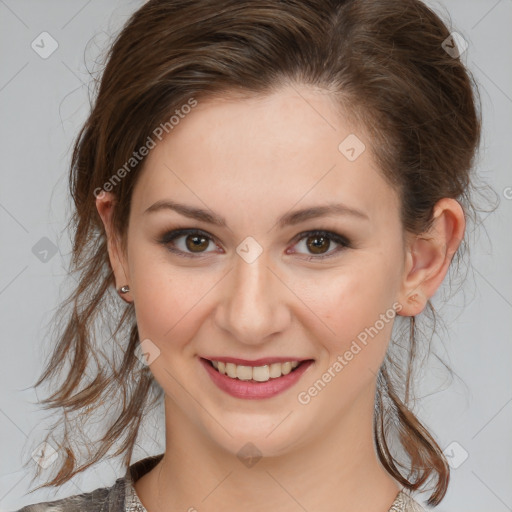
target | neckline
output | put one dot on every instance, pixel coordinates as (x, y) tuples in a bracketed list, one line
[(141, 467), (402, 502)]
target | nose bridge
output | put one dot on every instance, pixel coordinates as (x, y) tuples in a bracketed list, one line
[(254, 306)]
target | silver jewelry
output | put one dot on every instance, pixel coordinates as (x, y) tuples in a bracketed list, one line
[(124, 289)]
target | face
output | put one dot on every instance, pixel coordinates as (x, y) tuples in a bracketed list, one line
[(322, 288)]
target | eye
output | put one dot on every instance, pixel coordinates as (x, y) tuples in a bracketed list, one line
[(318, 242), (195, 242)]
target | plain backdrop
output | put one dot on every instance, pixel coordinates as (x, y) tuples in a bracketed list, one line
[(44, 101)]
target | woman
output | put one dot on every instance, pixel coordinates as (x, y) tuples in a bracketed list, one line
[(267, 185)]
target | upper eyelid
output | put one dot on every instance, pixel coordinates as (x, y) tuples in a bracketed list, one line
[(298, 236), (333, 236)]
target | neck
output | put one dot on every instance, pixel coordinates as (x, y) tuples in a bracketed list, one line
[(338, 471)]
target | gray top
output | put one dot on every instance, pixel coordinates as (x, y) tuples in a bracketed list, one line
[(121, 497)]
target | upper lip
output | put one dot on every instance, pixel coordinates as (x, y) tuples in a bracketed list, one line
[(255, 362)]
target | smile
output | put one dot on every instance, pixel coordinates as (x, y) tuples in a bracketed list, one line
[(257, 373), (255, 382)]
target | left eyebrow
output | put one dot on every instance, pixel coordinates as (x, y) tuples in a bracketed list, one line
[(288, 219), (298, 216)]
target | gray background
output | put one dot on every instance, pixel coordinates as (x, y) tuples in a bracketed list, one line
[(43, 103)]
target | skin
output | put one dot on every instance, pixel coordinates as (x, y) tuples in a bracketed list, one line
[(251, 161)]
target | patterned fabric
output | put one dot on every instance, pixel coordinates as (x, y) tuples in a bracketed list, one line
[(405, 503), (121, 497)]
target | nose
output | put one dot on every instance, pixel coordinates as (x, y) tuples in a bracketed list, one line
[(254, 303)]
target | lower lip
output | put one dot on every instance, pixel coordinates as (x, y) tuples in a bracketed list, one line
[(250, 389)]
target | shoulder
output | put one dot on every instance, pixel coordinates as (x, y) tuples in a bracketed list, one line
[(103, 499), (405, 503)]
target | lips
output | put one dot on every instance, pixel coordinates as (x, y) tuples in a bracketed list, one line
[(255, 362), (246, 386)]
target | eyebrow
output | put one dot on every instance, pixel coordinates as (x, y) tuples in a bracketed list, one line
[(288, 219)]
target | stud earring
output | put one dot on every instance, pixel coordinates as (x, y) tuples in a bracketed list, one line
[(124, 289)]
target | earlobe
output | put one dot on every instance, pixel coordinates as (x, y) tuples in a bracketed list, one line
[(105, 204), (428, 256)]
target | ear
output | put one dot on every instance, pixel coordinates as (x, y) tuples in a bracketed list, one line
[(428, 256), (105, 204)]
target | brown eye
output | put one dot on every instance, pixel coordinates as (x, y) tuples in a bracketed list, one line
[(186, 242), (318, 244), (196, 243)]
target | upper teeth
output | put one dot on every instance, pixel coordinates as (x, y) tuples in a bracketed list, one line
[(258, 373)]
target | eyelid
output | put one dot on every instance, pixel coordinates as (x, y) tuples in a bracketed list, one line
[(342, 241), (179, 232)]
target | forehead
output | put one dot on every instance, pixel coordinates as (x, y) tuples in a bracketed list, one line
[(265, 154)]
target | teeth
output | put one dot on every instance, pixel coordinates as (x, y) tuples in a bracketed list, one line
[(257, 373)]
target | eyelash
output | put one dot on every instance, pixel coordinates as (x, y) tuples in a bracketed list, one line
[(171, 236)]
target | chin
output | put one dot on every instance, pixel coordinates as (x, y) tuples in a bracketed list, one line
[(258, 436)]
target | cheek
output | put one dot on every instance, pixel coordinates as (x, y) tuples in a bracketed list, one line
[(169, 301), (356, 304)]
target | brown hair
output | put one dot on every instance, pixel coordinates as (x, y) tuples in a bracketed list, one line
[(383, 61)]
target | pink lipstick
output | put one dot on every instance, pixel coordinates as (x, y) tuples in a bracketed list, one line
[(251, 389)]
